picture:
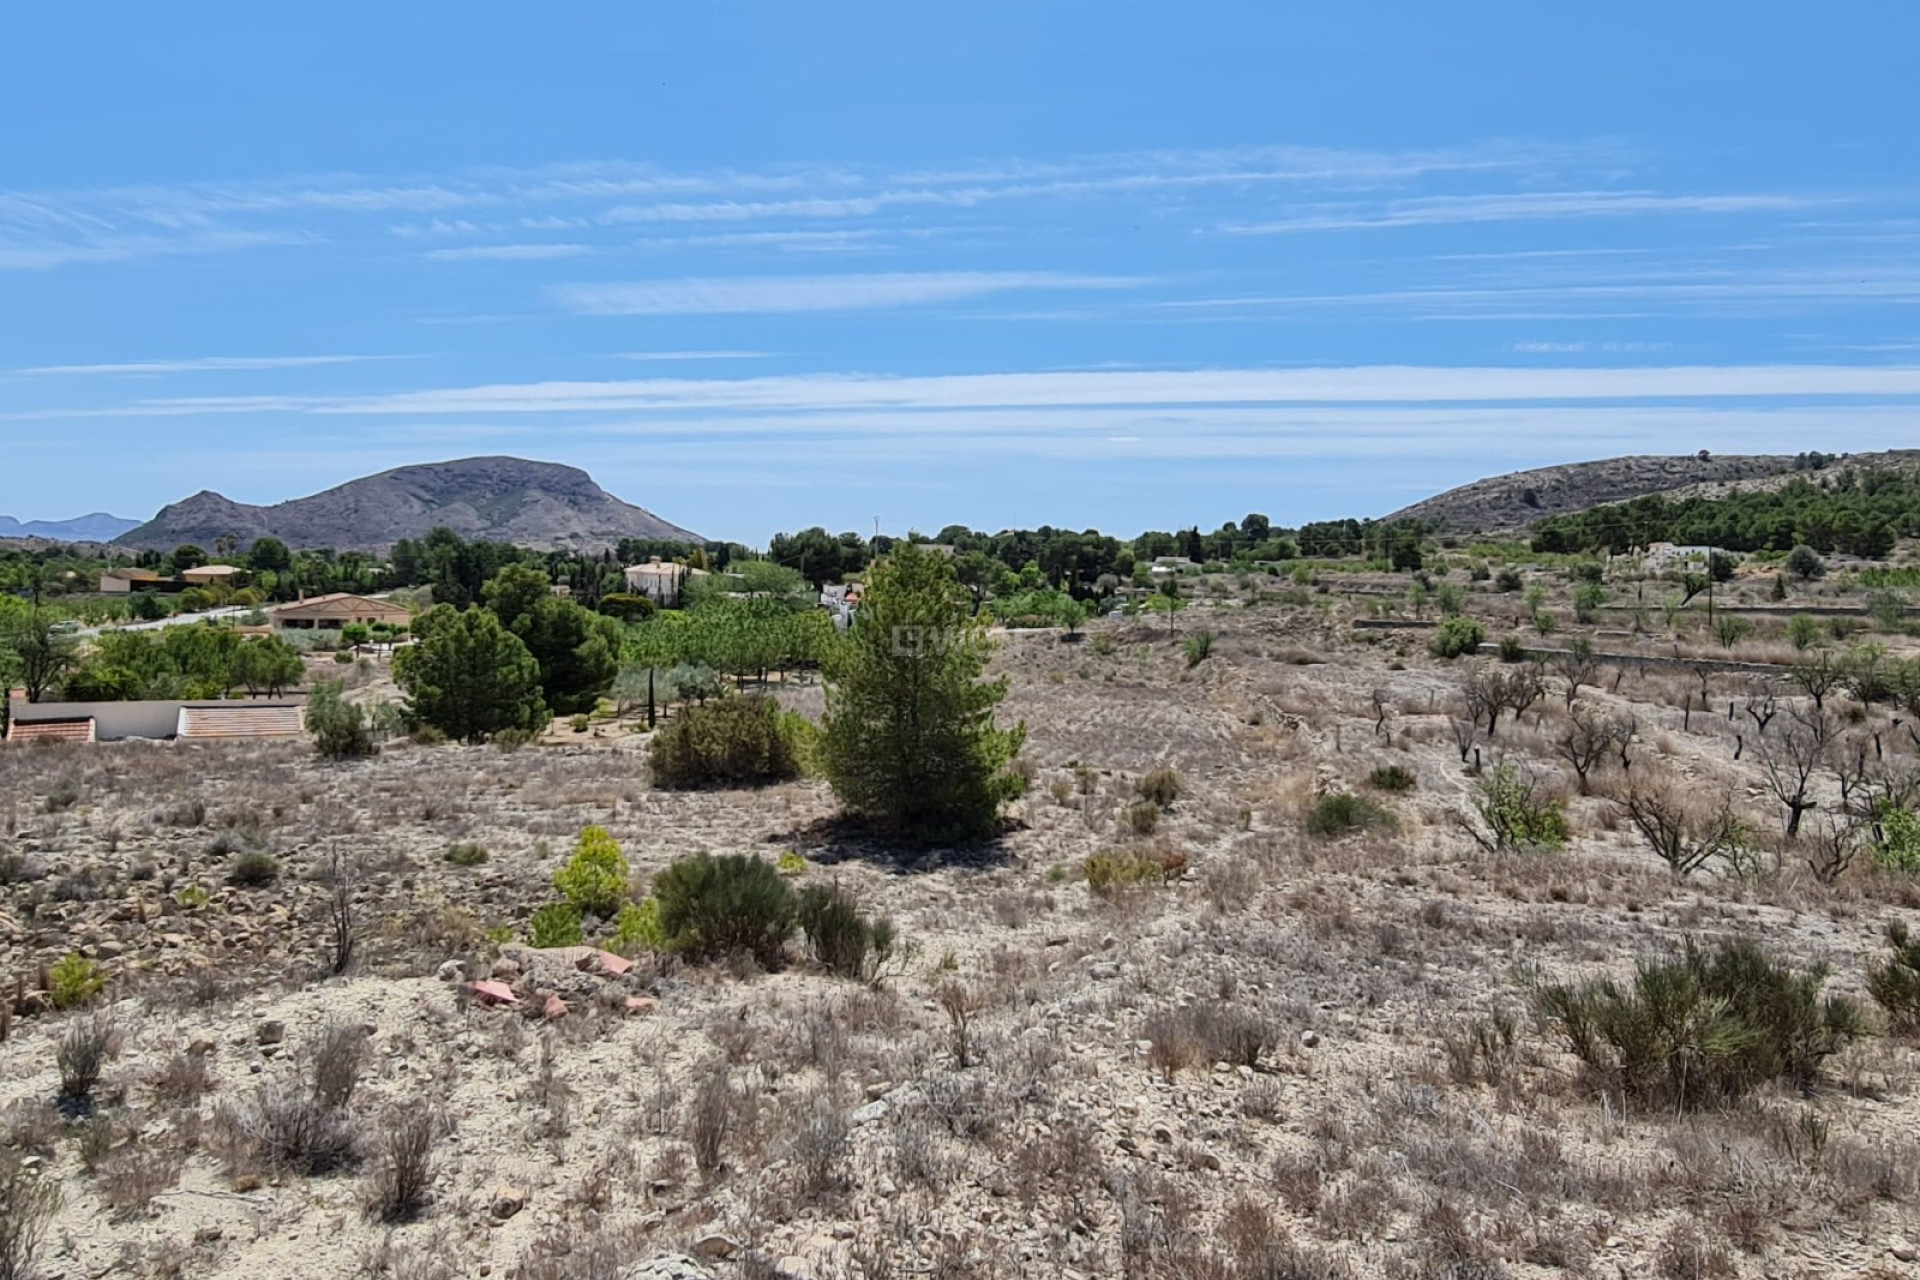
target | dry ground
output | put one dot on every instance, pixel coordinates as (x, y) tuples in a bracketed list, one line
[(844, 1134)]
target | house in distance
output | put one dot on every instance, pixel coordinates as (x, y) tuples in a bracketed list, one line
[(332, 612)]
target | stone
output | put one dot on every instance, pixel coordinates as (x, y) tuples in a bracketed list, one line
[(451, 971), (1903, 1251), (1309, 1038), (506, 1202), (872, 1113), (607, 962), (716, 1245), (670, 1266), (488, 991), (271, 1032), (640, 1004), (554, 1008)]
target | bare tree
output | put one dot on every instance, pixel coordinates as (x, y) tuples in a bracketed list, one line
[(1831, 846), (1817, 676), (1577, 666), (1591, 738), (1762, 707), (1497, 689), (1685, 836), (1465, 730), (1792, 757)]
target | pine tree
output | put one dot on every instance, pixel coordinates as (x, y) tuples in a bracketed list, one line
[(909, 736), (469, 677)]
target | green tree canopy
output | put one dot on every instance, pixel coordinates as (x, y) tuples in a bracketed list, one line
[(470, 677), (909, 736)]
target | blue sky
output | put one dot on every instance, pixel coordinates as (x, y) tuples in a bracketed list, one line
[(759, 266)]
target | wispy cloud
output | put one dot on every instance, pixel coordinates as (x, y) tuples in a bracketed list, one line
[(1102, 390), (206, 364), (691, 355), (510, 252), (746, 294), (1525, 206)]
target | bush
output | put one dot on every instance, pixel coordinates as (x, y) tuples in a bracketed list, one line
[(1515, 813), (594, 880), (1392, 777), (1456, 636), (466, 854), (339, 728), (731, 742), (712, 907), (1896, 839), (75, 981), (1512, 649), (81, 1055), (1110, 874), (1803, 632), (557, 924), (1895, 985), (1198, 646), (404, 1181), (285, 1127), (254, 870), (1142, 819), (1508, 580), (638, 928), (1339, 814), (1704, 1028), (843, 940), (28, 1200), (1160, 788), (1203, 1034)]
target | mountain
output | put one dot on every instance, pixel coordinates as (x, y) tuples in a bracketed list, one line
[(530, 504), (98, 527), (1514, 501)]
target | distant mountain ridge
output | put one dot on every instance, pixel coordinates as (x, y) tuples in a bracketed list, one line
[(531, 504), (97, 527), (1513, 502)]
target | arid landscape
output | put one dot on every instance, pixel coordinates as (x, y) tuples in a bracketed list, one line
[(1197, 1023)]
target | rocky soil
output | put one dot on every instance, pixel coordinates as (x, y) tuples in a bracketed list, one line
[(1016, 1096)]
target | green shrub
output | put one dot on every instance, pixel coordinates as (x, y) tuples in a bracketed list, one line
[(1513, 649), (1895, 985), (790, 863), (712, 907), (802, 737), (1110, 874), (1198, 646), (1160, 788), (466, 854), (1508, 580), (1803, 631), (843, 940), (1516, 814), (731, 742), (1392, 777), (1896, 839), (1142, 819), (557, 924), (638, 928), (254, 870), (339, 728), (1456, 636), (75, 981), (594, 880), (1703, 1028), (1341, 813), (578, 723)]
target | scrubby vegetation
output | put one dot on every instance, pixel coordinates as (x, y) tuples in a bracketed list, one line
[(732, 742)]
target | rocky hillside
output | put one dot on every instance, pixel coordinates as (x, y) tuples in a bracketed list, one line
[(1516, 500), (530, 504)]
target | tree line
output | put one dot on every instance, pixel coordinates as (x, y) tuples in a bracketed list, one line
[(1854, 513)]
